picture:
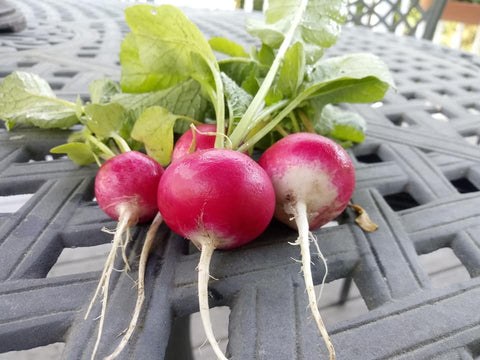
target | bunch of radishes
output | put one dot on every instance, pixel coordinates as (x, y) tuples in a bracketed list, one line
[(213, 193), (222, 199)]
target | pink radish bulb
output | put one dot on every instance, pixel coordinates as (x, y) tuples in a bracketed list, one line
[(202, 141), (126, 190), (129, 180), (312, 169), (217, 193), (314, 180), (219, 199)]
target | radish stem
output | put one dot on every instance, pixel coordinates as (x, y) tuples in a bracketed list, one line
[(123, 223), (107, 152), (281, 130), (301, 220), (296, 127), (121, 143), (147, 246), (219, 108), (242, 128), (306, 122), (208, 247)]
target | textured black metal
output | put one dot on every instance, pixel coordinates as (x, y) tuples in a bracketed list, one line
[(11, 20), (420, 138)]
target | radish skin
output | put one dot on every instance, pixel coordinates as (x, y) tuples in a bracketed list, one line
[(314, 180), (218, 199)]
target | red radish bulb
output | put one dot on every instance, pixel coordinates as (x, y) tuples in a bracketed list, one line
[(128, 182), (218, 199), (313, 169), (125, 187), (204, 139), (314, 180)]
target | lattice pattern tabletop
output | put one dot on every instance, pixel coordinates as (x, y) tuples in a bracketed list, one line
[(418, 176)]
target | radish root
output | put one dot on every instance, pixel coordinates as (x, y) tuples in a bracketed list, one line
[(124, 250), (103, 284), (313, 238), (301, 220), (208, 247), (147, 246)]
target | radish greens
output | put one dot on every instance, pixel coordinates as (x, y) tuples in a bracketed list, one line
[(256, 97)]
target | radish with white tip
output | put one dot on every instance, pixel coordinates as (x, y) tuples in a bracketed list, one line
[(314, 180)]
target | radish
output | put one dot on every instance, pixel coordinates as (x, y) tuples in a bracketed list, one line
[(218, 199), (125, 189), (314, 180), (201, 138)]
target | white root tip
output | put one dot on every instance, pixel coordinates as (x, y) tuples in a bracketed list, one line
[(147, 246), (104, 282), (203, 276), (303, 238), (320, 255)]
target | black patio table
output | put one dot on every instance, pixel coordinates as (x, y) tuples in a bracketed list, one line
[(418, 176)]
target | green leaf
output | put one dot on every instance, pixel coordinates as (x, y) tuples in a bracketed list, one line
[(227, 47), (160, 53), (251, 84), (79, 107), (266, 55), (155, 129), (237, 100), (341, 124), (135, 77), (80, 153), (355, 78), (27, 99), (246, 73), (292, 71), (185, 98), (319, 27), (102, 90), (105, 120), (274, 95), (271, 35)]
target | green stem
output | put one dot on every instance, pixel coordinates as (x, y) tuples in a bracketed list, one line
[(307, 123), (281, 115), (103, 148), (219, 109), (296, 127), (267, 82), (271, 125), (268, 111), (281, 130), (97, 160), (121, 143), (261, 116)]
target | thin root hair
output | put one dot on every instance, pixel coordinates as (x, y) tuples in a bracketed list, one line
[(146, 249)]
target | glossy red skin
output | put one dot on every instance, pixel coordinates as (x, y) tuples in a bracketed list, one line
[(130, 178), (312, 150), (218, 192), (202, 142)]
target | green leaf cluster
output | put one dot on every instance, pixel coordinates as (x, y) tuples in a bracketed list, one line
[(171, 78)]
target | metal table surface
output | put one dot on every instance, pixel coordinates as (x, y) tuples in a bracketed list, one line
[(418, 176)]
